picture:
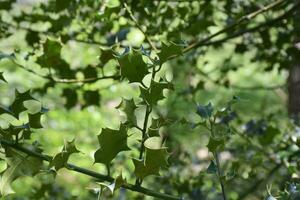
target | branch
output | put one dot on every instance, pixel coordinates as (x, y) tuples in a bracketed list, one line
[(87, 80), (258, 183), (256, 28), (215, 153), (47, 33), (90, 173), (139, 26), (233, 25), (57, 80), (273, 87), (257, 87)]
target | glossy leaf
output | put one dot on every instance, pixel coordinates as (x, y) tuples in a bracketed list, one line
[(35, 119), (2, 77), (205, 111), (167, 51), (128, 107), (155, 159), (111, 143), (155, 93), (60, 160), (18, 105), (133, 66)]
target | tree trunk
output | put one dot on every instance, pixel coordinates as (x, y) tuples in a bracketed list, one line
[(294, 73)]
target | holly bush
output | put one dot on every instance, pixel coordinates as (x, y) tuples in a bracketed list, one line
[(116, 99)]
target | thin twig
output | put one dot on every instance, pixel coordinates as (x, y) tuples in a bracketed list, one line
[(139, 26), (220, 174), (239, 87), (215, 153), (247, 17), (58, 80), (87, 80), (266, 24), (51, 34)]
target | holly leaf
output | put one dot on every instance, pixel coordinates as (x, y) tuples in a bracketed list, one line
[(106, 55), (118, 182), (60, 160), (269, 135), (155, 92), (19, 164), (205, 111), (111, 143), (90, 72), (2, 77), (35, 119), (152, 132), (12, 130), (71, 97), (91, 97), (128, 107), (133, 66), (51, 54), (214, 144), (155, 159), (52, 59), (32, 37), (212, 168), (61, 5), (167, 51), (18, 105)]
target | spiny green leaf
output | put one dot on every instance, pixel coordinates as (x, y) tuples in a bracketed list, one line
[(52, 59), (269, 135), (128, 107), (205, 111), (71, 97), (32, 37), (35, 119), (155, 92), (18, 105), (167, 51), (155, 158), (212, 168), (118, 182), (62, 4), (106, 55), (51, 54), (2, 77), (153, 132), (60, 160), (215, 144), (91, 97), (133, 66), (111, 143)]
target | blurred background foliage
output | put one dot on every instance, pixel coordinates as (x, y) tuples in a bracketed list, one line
[(253, 67)]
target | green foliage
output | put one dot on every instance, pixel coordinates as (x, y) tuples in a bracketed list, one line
[(174, 67), (167, 51), (1, 77), (133, 66), (111, 143), (155, 93), (155, 159), (60, 160), (19, 164)]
